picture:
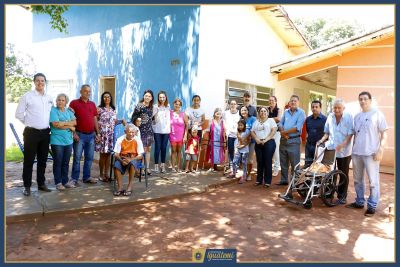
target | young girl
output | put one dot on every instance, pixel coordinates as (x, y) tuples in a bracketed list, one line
[(137, 121), (192, 150), (241, 150), (216, 144)]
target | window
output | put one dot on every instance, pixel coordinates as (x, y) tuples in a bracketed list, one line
[(259, 94), (56, 87), (329, 103)]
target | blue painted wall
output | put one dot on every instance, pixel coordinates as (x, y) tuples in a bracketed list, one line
[(174, 38)]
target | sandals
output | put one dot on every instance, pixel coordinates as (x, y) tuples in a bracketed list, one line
[(105, 179), (127, 193), (119, 193)]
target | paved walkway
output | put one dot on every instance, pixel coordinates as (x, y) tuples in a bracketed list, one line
[(97, 196)]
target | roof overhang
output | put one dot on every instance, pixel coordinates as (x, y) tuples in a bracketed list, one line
[(282, 25), (332, 50)]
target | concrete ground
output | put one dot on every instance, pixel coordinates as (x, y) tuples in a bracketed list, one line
[(182, 212)]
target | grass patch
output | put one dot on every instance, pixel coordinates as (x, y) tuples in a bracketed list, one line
[(13, 153)]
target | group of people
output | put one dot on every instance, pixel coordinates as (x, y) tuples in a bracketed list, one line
[(271, 134)]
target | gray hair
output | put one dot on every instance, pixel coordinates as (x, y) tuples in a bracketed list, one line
[(130, 126), (63, 95), (339, 101)]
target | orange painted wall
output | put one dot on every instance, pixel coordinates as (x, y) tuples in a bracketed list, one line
[(369, 68), (378, 79)]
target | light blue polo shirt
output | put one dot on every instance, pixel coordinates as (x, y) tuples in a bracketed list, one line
[(61, 137), (293, 120), (339, 132)]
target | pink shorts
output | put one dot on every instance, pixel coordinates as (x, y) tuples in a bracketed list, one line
[(173, 143)]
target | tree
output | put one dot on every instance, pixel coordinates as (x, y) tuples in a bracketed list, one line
[(19, 70), (320, 32), (57, 21)]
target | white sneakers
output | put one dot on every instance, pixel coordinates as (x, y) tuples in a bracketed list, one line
[(158, 169), (70, 184), (163, 168), (60, 187)]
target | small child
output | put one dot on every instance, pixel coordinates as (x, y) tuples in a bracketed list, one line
[(191, 151), (241, 150), (137, 121), (128, 152)]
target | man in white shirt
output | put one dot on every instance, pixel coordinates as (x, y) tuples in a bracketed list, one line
[(369, 142), (34, 112)]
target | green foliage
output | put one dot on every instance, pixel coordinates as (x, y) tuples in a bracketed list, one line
[(19, 71), (320, 32), (13, 153), (57, 21)]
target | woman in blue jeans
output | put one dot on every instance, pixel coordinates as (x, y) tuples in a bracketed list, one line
[(263, 132), (161, 129), (62, 124)]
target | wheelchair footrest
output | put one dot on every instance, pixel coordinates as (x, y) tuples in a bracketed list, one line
[(290, 199)]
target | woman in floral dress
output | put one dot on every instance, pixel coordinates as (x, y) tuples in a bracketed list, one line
[(106, 119), (144, 110)]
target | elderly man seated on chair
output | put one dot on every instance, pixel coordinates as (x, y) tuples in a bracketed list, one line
[(128, 154)]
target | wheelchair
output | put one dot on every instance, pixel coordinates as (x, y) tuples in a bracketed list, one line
[(321, 179)]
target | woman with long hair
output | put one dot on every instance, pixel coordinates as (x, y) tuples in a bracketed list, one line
[(107, 118), (144, 110), (244, 114), (275, 113), (161, 129)]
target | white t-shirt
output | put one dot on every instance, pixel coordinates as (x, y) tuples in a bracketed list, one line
[(367, 128), (263, 129), (194, 116), (231, 122), (162, 119)]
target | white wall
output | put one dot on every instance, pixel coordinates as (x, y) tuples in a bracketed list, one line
[(236, 44)]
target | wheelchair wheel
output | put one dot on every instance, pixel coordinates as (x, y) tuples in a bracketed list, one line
[(308, 205), (330, 185)]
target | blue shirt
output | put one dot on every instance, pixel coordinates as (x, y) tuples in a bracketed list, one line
[(293, 120), (249, 124), (315, 128), (338, 132), (61, 137)]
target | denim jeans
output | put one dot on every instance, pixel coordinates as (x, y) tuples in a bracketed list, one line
[(61, 156), (264, 154), (86, 145), (240, 157), (231, 149), (362, 164), (160, 145)]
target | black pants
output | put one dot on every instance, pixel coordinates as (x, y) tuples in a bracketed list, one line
[(309, 154), (343, 165), (36, 143), (264, 154)]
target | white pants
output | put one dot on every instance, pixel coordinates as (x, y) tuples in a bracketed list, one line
[(275, 158)]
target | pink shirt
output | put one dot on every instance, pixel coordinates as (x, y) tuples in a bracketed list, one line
[(177, 127)]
